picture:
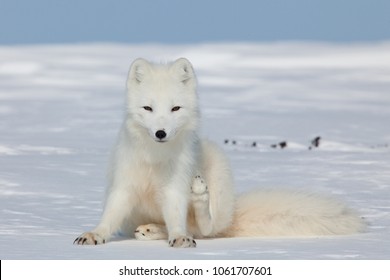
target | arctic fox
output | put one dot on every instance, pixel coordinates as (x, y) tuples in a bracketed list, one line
[(167, 183)]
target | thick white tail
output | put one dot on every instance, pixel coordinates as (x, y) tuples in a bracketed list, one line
[(288, 213)]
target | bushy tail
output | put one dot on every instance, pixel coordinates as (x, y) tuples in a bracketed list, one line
[(288, 213)]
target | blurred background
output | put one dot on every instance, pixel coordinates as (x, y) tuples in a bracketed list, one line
[(188, 21)]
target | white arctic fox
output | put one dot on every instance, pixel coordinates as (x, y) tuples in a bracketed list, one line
[(167, 183)]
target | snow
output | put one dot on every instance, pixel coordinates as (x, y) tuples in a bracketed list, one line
[(61, 107)]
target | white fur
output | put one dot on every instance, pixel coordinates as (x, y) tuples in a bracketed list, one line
[(178, 187)]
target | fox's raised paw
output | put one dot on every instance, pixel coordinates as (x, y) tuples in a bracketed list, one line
[(182, 242), (199, 185), (89, 238), (199, 191)]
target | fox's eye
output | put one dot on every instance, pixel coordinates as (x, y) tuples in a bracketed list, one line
[(176, 108), (147, 108)]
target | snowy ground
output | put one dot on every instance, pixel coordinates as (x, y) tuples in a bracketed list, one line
[(61, 108)]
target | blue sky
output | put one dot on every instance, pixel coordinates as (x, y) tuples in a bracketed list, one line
[(191, 21)]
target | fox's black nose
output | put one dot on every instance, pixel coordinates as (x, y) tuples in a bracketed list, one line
[(160, 134)]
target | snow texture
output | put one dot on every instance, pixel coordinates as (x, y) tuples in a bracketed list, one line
[(61, 107)]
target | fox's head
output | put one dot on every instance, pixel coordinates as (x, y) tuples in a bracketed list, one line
[(162, 99)]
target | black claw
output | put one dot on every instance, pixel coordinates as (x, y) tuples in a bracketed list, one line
[(173, 242), (104, 241), (76, 240), (84, 240), (95, 242)]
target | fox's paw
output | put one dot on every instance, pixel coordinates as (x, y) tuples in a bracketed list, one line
[(182, 242), (151, 232), (199, 186), (199, 190), (89, 238)]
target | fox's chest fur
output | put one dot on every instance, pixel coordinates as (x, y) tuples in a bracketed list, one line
[(148, 184)]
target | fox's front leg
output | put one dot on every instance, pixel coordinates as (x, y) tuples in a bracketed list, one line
[(175, 207), (115, 211)]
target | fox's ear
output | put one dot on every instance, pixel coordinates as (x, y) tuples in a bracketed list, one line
[(184, 70), (138, 69)]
